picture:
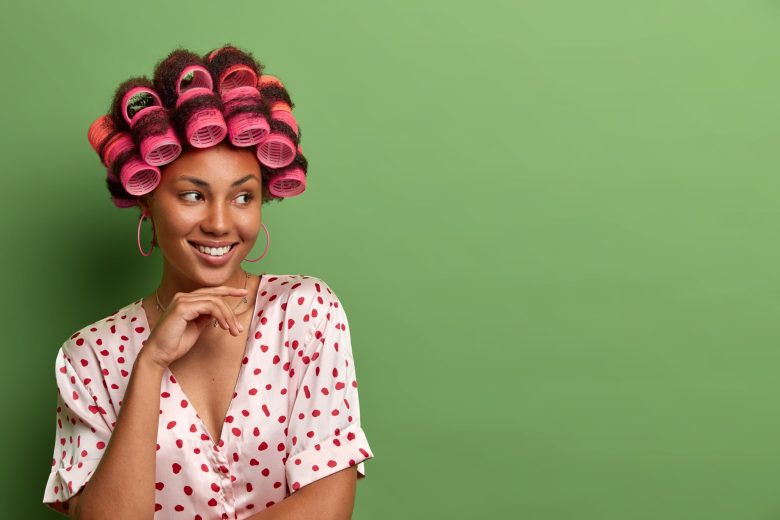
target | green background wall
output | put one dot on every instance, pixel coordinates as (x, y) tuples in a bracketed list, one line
[(553, 225)]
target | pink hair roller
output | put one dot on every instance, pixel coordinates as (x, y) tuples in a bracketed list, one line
[(99, 132), (137, 177), (281, 112), (117, 147), (103, 130), (119, 202), (206, 127), (244, 128), (237, 76), (158, 149), (288, 183), (277, 150)]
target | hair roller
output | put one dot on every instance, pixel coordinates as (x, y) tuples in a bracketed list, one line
[(186, 84), (101, 134), (136, 176), (118, 152), (244, 110), (278, 149), (290, 181), (138, 108), (246, 116), (233, 68)]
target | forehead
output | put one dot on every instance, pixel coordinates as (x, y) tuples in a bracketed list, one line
[(217, 165)]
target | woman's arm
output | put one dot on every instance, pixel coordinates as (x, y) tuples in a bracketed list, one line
[(123, 483), (329, 498)]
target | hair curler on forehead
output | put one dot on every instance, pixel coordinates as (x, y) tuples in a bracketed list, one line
[(195, 102)]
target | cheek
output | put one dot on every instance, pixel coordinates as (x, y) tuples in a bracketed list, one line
[(250, 232), (177, 228), (249, 225)]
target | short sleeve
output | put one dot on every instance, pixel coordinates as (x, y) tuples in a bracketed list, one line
[(83, 426), (324, 432)]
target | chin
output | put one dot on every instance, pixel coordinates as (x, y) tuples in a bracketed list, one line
[(211, 271)]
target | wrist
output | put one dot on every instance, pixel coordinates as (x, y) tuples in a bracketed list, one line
[(150, 361)]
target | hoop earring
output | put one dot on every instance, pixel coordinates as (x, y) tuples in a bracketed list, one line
[(143, 216), (267, 243)]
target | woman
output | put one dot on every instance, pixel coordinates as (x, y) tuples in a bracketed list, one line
[(220, 394)]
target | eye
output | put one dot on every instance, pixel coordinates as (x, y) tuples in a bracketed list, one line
[(247, 196), (190, 193)]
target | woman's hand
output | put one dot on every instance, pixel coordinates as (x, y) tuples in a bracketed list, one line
[(180, 325)]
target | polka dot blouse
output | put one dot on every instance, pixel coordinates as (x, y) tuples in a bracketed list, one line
[(294, 417)]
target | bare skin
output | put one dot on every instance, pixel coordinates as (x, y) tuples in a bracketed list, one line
[(208, 372)]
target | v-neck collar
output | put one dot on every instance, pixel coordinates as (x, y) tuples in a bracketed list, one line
[(170, 377)]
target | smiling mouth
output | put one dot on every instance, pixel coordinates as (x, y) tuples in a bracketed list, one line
[(197, 248)]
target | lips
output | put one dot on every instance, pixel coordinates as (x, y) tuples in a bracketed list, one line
[(216, 247), (214, 260)]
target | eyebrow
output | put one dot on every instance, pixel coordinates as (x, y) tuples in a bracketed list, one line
[(201, 182)]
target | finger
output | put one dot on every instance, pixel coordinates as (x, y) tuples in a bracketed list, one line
[(227, 310), (228, 313), (236, 323), (192, 308), (221, 290)]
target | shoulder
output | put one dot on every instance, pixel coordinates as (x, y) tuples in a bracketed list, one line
[(302, 290), (306, 300), (100, 334)]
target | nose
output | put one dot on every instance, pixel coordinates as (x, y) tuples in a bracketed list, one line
[(217, 220)]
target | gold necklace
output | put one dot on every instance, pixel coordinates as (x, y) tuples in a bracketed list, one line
[(214, 323)]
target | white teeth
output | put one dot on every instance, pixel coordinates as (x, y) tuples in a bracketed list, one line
[(214, 251)]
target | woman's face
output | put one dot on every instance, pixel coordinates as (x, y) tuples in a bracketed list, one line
[(211, 197)]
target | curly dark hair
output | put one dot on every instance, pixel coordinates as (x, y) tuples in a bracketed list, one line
[(226, 65)]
